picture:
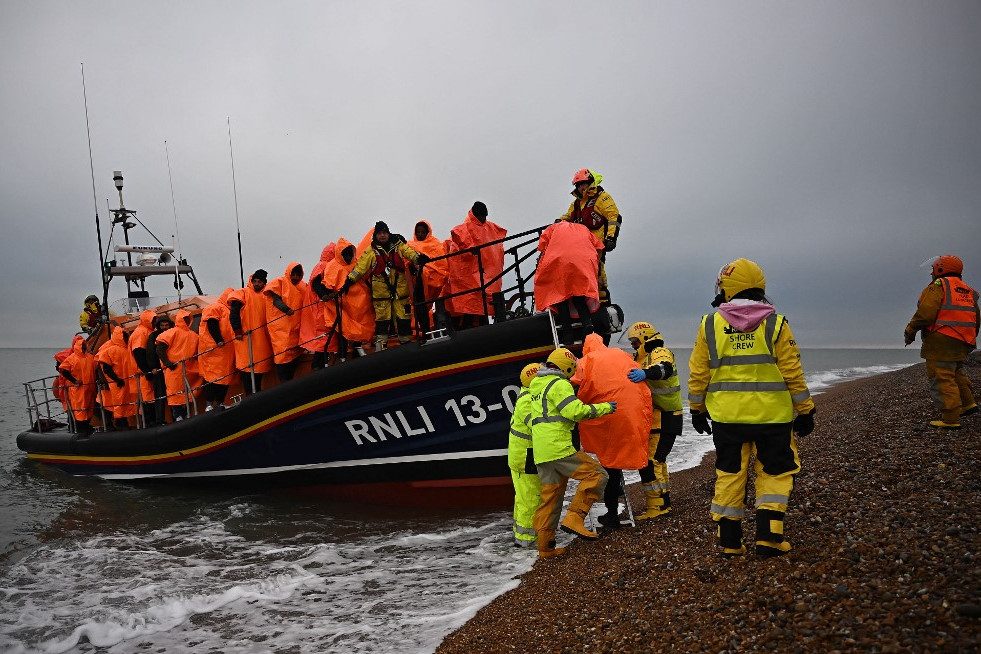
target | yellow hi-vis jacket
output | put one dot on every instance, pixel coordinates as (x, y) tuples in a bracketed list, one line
[(747, 378), (602, 216), (519, 440), (555, 410), (665, 393)]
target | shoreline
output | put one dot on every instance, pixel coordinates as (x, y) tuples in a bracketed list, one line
[(886, 529)]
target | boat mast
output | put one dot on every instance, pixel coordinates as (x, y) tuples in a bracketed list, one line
[(121, 216), (98, 229)]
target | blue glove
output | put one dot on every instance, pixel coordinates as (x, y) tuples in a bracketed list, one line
[(636, 375), (700, 421), (613, 406)]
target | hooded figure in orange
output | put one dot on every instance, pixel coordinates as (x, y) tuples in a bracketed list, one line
[(216, 349), (464, 272), (119, 367), (313, 331), (137, 346), (178, 348), (566, 274), (79, 370), (356, 324), (248, 317), (285, 296), (59, 387), (619, 440), (429, 285)]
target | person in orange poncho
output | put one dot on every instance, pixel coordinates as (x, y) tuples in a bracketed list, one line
[(119, 367), (285, 296), (177, 349), (253, 349), (566, 274), (356, 323), (79, 370), (619, 440), (313, 330), (216, 349), (144, 381), (59, 387), (429, 285), (464, 273)]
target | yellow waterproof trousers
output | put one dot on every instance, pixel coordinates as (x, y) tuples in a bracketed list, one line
[(554, 476), (527, 496), (950, 388)]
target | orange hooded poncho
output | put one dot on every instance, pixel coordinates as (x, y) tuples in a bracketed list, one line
[(284, 329), (254, 325), (433, 274), (463, 272), (137, 340), (80, 365), (568, 266), (217, 364), (313, 331), (120, 400), (357, 323), (619, 440), (182, 346)]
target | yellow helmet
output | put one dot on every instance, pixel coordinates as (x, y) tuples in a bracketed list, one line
[(643, 332), (564, 360), (737, 276), (528, 373)]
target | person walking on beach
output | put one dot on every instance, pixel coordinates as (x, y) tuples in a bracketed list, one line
[(747, 378), (555, 410), (521, 461), (947, 319), (658, 371)]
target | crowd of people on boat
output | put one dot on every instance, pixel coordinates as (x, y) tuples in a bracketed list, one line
[(357, 298)]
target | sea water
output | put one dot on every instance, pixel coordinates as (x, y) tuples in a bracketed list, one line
[(87, 565)]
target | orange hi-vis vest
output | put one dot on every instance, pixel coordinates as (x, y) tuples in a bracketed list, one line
[(957, 317)]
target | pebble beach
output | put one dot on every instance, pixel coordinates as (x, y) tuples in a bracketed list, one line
[(885, 523)]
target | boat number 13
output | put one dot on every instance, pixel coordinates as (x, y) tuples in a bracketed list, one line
[(469, 408)]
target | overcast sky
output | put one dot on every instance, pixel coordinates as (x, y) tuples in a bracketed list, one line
[(838, 144)]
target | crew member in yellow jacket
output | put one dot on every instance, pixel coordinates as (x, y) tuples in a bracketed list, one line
[(555, 410), (595, 208), (745, 375), (521, 461)]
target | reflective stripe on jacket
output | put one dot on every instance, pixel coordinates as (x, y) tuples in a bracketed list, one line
[(519, 438), (747, 378), (665, 393), (957, 316), (555, 410)]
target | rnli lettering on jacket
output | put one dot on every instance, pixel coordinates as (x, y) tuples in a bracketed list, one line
[(957, 317)]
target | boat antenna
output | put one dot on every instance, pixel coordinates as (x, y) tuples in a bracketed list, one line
[(177, 229), (95, 201), (238, 229)]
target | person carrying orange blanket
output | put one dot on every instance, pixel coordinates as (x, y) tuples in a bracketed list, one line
[(429, 285), (79, 370), (119, 367), (137, 347), (566, 274), (464, 273), (285, 295), (356, 323), (247, 314), (619, 440), (177, 349), (216, 350), (313, 330)]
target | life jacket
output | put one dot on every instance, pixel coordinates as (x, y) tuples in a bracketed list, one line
[(387, 260), (586, 215), (746, 386), (957, 317)]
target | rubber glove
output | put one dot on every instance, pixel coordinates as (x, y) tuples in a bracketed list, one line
[(804, 423), (700, 421), (613, 407), (636, 375)]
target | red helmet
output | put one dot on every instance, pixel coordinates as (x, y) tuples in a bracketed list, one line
[(584, 175), (947, 263)]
